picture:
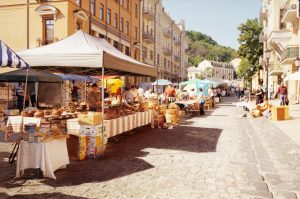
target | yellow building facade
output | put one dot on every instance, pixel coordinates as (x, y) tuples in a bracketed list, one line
[(46, 22)]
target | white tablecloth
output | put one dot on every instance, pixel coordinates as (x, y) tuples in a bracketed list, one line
[(120, 125), (48, 156), (16, 122)]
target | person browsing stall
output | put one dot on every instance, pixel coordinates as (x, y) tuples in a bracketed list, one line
[(170, 94), (94, 98)]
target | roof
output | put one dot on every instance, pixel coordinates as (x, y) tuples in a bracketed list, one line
[(82, 53), (220, 64)]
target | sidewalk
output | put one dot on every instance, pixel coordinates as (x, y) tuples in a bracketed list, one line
[(290, 127)]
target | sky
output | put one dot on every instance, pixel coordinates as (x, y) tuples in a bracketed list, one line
[(216, 18)]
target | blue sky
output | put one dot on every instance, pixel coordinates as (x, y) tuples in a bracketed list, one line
[(217, 18)]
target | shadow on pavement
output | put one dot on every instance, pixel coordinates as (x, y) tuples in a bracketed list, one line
[(40, 196), (124, 158)]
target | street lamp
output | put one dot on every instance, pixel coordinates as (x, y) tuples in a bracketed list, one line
[(297, 63), (268, 55)]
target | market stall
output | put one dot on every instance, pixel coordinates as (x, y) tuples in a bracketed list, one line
[(30, 155), (94, 57), (39, 83)]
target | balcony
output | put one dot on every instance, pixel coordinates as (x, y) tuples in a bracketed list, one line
[(148, 37), (289, 55), (149, 13), (167, 51), (263, 16), (275, 70), (42, 42), (167, 33), (289, 13), (279, 36)]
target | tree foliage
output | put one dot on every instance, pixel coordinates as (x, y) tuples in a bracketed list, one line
[(250, 48), (208, 72), (243, 69), (203, 47)]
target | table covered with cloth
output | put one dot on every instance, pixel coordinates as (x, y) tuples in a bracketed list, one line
[(17, 122), (187, 105), (48, 156), (120, 125)]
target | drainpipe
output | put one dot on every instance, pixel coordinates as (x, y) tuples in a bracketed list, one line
[(172, 48), (143, 29), (154, 56), (180, 54), (106, 8), (27, 23), (119, 27)]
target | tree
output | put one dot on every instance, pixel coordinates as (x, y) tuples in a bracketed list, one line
[(250, 48), (243, 68), (208, 72), (200, 76), (203, 47)]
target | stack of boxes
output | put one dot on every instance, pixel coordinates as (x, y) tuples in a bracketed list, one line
[(92, 135)]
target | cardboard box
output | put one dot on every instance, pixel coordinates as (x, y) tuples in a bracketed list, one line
[(278, 113), (90, 130), (91, 118)]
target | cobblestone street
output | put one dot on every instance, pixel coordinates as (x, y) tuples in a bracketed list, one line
[(219, 155)]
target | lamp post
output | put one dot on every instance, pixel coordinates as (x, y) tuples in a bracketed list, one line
[(251, 74), (297, 63), (268, 55)]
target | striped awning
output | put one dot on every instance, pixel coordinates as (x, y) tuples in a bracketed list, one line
[(8, 58)]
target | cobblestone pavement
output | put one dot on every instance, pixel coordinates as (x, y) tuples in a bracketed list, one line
[(219, 155)]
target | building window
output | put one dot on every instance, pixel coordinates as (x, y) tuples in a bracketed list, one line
[(158, 59), (101, 12), (127, 28), (92, 7), (116, 44), (78, 2), (151, 55), (108, 16), (136, 10), (116, 21), (127, 51), (121, 24), (136, 33), (48, 30), (101, 36)]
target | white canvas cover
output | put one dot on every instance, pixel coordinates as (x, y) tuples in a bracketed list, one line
[(294, 76), (84, 50)]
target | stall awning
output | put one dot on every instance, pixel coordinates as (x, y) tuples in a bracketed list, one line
[(8, 58), (83, 51), (13, 75)]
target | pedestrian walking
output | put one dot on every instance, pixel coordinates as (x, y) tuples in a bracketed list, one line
[(282, 92), (201, 101), (259, 95)]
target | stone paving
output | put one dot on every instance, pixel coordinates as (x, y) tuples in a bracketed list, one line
[(219, 155)]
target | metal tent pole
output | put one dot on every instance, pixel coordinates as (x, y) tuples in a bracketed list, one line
[(25, 92), (102, 96)]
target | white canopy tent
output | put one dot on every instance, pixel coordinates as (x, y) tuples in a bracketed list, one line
[(82, 53), (295, 76)]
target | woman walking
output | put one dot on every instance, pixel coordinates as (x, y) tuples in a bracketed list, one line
[(201, 101)]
